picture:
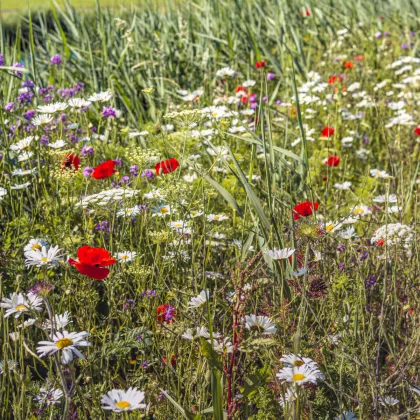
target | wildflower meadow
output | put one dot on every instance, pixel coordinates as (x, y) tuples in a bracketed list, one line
[(208, 210)]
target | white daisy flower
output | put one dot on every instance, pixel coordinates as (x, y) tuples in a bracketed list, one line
[(216, 217), (296, 360), (23, 172), (25, 156), (178, 225), (22, 144), (161, 211), (154, 194), (3, 193), (279, 254), (66, 343), (126, 256), (44, 257), (344, 186), (249, 83), (60, 321), (57, 144), (199, 300), (348, 233), (20, 186), (49, 396), (52, 108), (300, 375), (225, 72), (79, 103), (361, 210), (260, 324), (223, 346), (119, 400), (192, 334), (376, 173), (388, 401), (129, 212), (385, 198), (43, 119), (18, 303), (35, 244), (100, 97)]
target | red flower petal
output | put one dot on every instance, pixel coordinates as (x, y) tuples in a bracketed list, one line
[(166, 166), (104, 170), (93, 272)]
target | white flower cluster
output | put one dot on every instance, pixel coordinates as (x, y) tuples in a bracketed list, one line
[(393, 234), (104, 197)]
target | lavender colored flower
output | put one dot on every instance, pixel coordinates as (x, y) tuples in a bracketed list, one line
[(25, 98), (162, 396), (149, 294), (29, 114), (87, 171), (387, 33), (28, 84), (118, 161), (341, 266), (371, 281), (405, 46), (145, 364), (412, 34), (125, 180), (378, 35), (366, 139), (1, 60), (130, 304), (20, 66), (102, 226), (134, 170), (253, 105), (140, 338), (264, 99), (341, 247), (87, 150), (148, 174), (253, 98), (270, 76), (11, 106), (44, 140), (55, 60), (109, 112), (48, 98), (278, 102)]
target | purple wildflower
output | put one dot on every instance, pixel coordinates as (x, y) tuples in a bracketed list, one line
[(149, 294), (148, 174), (134, 170), (341, 247), (87, 150), (44, 140), (29, 114), (102, 226), (55, 60), (270, 76), (20, 66), (87, 171), (109, 112), (11, 106), (1, 60)]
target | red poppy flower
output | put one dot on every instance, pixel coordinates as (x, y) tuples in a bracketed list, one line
[(244, 99), (348, 65), (307, 12), (335, 78), (173, 360), (358, 58), (327, 131), (304, 209), (104, 170), (166, 313), (71, 160), (166, 166), (260, 64), (417, 130), (381, 242), (332, 160), (92, 261), (241, 89)]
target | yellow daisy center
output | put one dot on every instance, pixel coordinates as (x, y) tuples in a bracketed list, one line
[(20, 308), (164, 210), (125, 257), (359, 211), (44, 260), (36, 246), (329, 228), (123, 405), (298, 377), (63, 343), (129, 211)]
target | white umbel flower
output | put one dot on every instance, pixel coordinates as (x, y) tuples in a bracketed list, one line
[(119, 400), (261, 324), (199, 300), (279, 254), (45, 257), (393, 234), (18, 303), (66, 343)]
